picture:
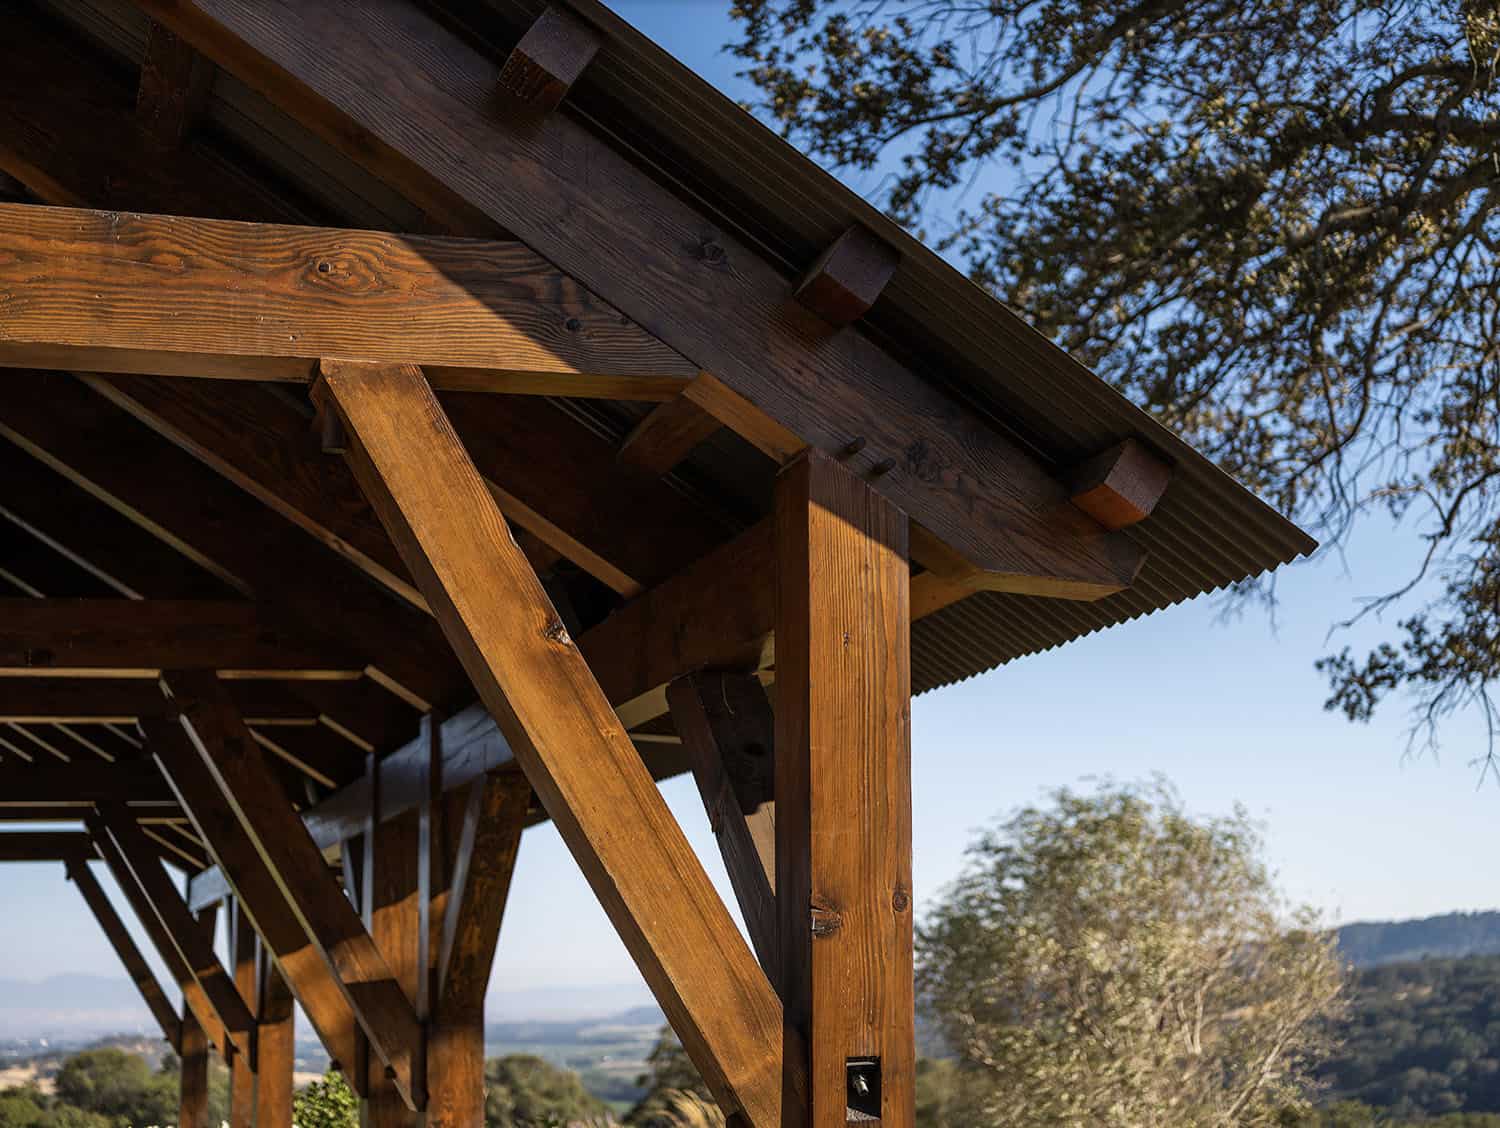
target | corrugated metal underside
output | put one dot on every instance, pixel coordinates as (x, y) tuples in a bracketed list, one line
[(1208, 532)]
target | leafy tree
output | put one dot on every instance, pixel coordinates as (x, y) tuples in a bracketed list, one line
[(525, 1091), (675, 1092), (1274, 227), (1108, 960), (119, 1086), (21, 1108), (328, 1103)]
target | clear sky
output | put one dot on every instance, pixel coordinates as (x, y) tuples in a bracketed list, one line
[(1230, 711)]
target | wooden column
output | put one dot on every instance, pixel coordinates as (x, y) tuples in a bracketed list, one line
[(843, 792), (193, 1107), (395, 924), (558, 722), (242, 955), (276, 1053), (488, 837)]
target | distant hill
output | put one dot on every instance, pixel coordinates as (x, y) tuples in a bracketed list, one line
[(1373, 943)]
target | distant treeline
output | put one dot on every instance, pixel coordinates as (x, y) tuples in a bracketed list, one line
[(1450, 936)]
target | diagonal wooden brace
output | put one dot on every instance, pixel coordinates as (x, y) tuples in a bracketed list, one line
[(566, 737)]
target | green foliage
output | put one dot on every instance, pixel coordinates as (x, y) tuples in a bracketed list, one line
[(1279, 234), (524, 1091), (675, 1092), (1108, 960), (328, 1103), (1422, 1039), (1352, 1114), (119, 1087)]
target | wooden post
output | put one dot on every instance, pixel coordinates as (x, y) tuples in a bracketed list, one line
[(276, 1053), (573, 748), (843, 793), (242, 954), (394, 922), (193, 1107)]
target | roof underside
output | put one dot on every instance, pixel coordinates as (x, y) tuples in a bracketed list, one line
[(1207, 533)]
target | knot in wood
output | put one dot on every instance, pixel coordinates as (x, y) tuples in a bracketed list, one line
[(712, 253), (826, 920), (900, 900), (557, 633), (572, 325)]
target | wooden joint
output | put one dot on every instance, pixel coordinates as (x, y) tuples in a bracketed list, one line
[(1120, 486), (667, 435), (551, 55), (847, 278)]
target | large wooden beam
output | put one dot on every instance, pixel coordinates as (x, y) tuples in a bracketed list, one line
[(276, 1049), (217, 984), (131, 637), (728, 729), (581, 203), (286, 849), (84, 784), (130, 956), (395, 921), (85, 290), (256, 890), (843, 793), (174, 88), (242, 957), (565, 735), (193, 1105), (161, 489), (44, 846)]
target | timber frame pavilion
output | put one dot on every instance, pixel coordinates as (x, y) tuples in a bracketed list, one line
[(366, 358)]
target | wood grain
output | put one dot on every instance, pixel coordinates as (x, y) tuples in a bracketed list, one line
[(242, 955), (276, 1046), (549, 58), (582, 205), (564, 734), (123, 292), (728, 729), (843, 784), (395, 924), (667, 435), (847, 278), (174, 89)]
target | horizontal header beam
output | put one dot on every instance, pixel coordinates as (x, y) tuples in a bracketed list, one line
[(117, 292), (44, 846)]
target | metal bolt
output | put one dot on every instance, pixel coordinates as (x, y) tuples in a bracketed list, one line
[(851, 448)]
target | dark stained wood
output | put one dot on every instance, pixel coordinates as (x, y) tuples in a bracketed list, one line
[(728, 729), (115, 636), (555, 50), (123, 700), (70, 133), (395, 924), (167, 950), (490, 817), (1122, 485), (275, 1049), (169, 494), (217, 984), (242, 774), (667, 435), (44, 846), (84, 783), (847, 278), (583, 205), (843, 785), (130, 956), (91, 534), (193, 1103), (242, 953), (254, 887), (574, 751), (175, 85), (316, 752), (84, 290)]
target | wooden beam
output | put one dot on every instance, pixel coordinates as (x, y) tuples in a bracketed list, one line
[(276, 1049), (168, 493), (70, 132), (85, 290), (574, 751), (842, 285), (79, 783), (217, 984), (667, 435), (240, 770), (130, 956), (193, 1071), (843, 792), (44, 846), (133, 638), (242, 955), (728, 729), (193, 997), (255, 888), (1121, 486), (551, 55), (175, 85), (493, 815), (583, 205)]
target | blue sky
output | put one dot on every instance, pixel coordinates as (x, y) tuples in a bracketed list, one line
[(1229, 710)]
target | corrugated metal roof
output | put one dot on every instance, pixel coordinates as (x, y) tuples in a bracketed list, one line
[(1207, 533)]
